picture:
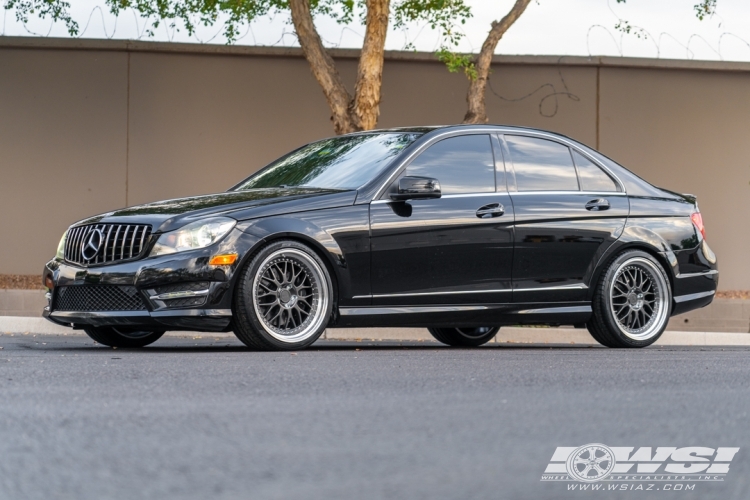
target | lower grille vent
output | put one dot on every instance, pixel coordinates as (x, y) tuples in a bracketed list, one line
[(195, 301), (98, 298)]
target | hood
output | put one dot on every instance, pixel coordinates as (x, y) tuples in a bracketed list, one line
[(172, 214)]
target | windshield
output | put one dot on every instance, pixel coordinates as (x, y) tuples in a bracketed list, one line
[(336, 163)]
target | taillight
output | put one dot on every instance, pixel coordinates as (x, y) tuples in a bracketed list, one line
[(698, 221)]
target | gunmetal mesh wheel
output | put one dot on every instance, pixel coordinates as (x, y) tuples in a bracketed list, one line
[(638, 294), (289, 295), (632, 302)]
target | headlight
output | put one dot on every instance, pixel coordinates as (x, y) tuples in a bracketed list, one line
[(61, 246), (193, 236)]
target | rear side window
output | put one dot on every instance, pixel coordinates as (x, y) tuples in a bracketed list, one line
[(592, 177), (461, 164), (541, 165)]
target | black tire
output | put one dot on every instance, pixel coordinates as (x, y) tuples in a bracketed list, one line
[(464, 337), (594, 333), (276, 309), (120, 337), (632, 302)]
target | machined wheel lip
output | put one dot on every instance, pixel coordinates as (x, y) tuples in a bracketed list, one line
[(639, 290), (320, 296)]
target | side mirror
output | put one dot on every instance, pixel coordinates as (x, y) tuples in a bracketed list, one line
[(417, 188)]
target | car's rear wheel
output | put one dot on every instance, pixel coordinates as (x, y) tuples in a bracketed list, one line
[(284, 298), (632, 302), (464, 337), (122, 337)]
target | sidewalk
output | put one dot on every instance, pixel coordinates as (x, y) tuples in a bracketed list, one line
[(511, 335)]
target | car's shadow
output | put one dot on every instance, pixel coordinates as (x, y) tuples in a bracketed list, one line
[(215, 348)]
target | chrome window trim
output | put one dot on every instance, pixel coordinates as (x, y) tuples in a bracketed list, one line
[(570, 144), (438, 137), (500, 131)]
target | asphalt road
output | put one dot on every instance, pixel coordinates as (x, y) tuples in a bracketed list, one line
[(206, 418)]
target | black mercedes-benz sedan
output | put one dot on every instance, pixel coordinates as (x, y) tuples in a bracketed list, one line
[(459, 229)]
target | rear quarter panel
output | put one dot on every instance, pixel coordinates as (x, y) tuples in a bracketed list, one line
[(663, 227)]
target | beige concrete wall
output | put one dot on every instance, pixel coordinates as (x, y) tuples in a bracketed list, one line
[(88, 126)]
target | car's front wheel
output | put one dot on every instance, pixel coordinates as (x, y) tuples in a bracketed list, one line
[(122, 337), (464, 337), (284, 298), (632, 304)]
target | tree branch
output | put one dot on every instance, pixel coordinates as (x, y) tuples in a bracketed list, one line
[(322, 66), (475, 98)]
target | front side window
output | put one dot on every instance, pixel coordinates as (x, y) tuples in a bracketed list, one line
[(463, 164), (346, 162), (541, 165), (591, 176)]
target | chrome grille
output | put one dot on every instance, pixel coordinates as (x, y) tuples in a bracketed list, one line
[(120, 242), (98, 298)]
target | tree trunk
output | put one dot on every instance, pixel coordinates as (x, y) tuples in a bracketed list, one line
[(475, 98), (366, 106), (323, 67), (348, 114)]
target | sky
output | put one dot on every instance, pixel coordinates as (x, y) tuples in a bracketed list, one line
[(669, 29)]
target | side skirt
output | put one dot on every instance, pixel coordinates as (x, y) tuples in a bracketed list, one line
[(464, 315)]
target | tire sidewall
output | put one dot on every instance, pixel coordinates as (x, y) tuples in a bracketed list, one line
[(246, 297), (606, 312), (453, 337)]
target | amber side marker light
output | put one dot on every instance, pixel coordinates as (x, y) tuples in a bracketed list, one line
[(48, 282), (223, 260)]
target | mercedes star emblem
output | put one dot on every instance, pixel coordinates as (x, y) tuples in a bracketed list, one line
[(90, 246)]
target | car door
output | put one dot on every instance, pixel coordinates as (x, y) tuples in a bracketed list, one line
[(456, 249), (568, 212)]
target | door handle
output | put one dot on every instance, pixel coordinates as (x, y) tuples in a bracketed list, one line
[(597, 205), (491, 210)]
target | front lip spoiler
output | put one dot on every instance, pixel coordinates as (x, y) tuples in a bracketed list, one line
[(178, 319), (139, 314)]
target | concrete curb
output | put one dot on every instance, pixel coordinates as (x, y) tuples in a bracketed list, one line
[(507, 335)]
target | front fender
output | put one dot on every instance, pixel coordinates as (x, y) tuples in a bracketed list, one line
[(278, 227), (340, 236)]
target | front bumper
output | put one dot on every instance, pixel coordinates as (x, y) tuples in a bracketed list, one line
[(149, 276)]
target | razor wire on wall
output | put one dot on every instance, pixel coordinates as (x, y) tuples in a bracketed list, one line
[(96, 20), (275, 29)]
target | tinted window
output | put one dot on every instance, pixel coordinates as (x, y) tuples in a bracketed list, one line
[(461, 164), (339, 163), (541, 165), (592, 178)]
